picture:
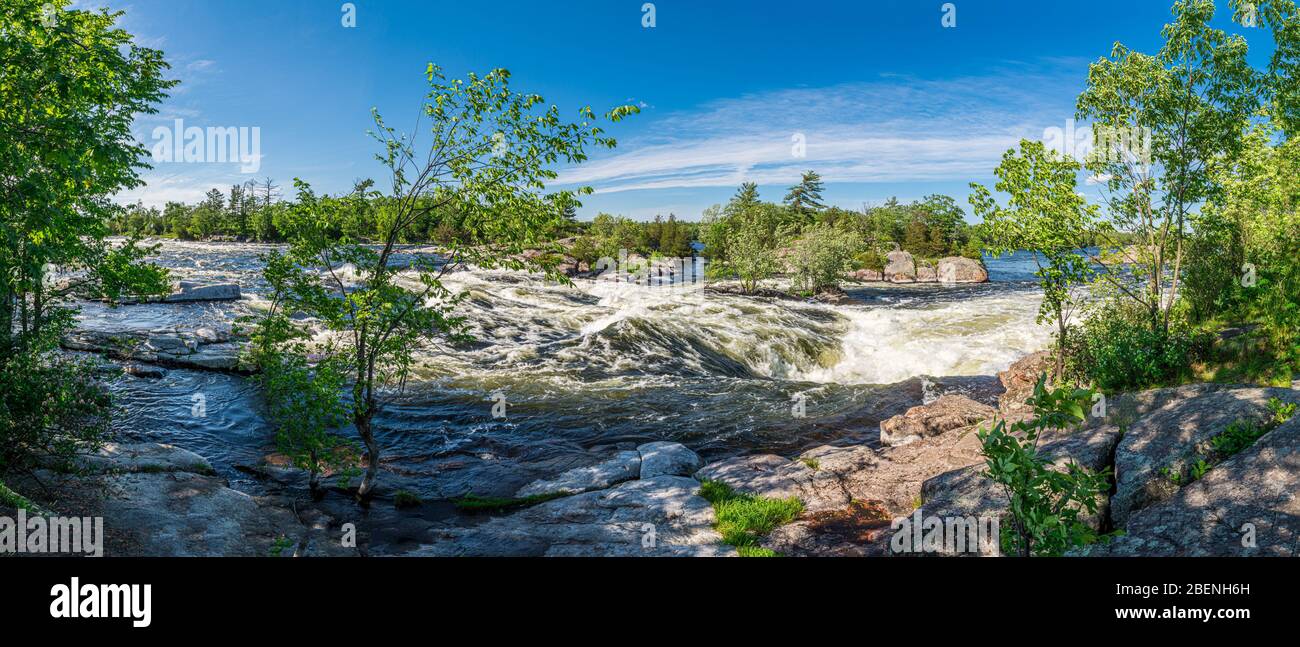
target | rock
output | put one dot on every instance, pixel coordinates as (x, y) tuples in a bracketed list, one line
[(1019, 380), (926, 273), (667, 459), (945, 414), (168, 347), (171, 343), (772, 476), (867, 275), (662, 516), (900, 267), (143, 457), (191, 291), (1174, 436), (854, 531), (144, 371), (958, 269), (1209, 517), (624, 466)]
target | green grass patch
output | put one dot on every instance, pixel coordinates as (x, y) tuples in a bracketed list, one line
[(404, 499), (743, 519), (474, 503)]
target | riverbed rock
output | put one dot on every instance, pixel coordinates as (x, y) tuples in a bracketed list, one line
[(1246, 506), (1168, 440), (168, 347), (944, 414), (667, 459), (191, 291), (958, 269), (900, 267), (162, 501), (623, 466), (662, 516)]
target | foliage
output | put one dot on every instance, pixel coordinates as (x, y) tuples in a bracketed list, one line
[(1116, 348), (1044, 215), (821, 256), (491, 151), (743, 519), (1046, 501), (805, 198)]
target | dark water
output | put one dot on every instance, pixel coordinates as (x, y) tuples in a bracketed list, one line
[(601, 364)]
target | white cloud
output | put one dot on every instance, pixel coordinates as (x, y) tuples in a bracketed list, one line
[(893, 130)]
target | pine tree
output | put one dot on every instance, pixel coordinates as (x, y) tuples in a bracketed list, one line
[(805, 198)]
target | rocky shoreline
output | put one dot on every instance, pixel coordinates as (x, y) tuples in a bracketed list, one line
[(162, 500)]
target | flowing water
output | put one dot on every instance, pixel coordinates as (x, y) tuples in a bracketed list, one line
[(601, 363)]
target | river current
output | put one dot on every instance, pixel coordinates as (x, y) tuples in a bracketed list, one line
[(601, 363)]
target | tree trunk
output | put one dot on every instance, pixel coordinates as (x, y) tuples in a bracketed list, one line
[(367, 434)]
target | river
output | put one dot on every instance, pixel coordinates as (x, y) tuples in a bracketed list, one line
[(597, 364)]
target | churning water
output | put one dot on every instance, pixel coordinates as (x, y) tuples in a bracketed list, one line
[(598, 362)]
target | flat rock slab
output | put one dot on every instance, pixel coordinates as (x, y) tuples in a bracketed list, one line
[(1210, 517), (1175, 435), (662, 516), (143, 457), (190, 291), (624, 466)]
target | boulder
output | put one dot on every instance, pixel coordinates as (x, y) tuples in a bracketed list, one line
[(191, 291), (667, 459), (1169, 439), (867, 275), (925, 273), (1246, 506), (900, 267), (662, 516), (623, 466), (1019, 380), (958, 269), (944, 414)]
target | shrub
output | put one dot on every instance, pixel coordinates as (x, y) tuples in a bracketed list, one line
[(51, 409), (1045, 502), (1116, 348), (822, 256)]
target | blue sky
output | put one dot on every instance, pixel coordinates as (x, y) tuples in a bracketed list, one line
[(888, 101)]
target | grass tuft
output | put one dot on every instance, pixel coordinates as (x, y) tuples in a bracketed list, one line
[(742, 519)]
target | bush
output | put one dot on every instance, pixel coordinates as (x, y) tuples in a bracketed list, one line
[(1045, 501), (822, 256), (1116, 348), (51, 408)]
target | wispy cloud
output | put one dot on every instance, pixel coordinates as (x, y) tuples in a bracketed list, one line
[(896, 129)]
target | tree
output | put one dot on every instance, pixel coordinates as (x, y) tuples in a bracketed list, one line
[(1045, 215), (70, 89), (1159, 121), (822, 256), (805, 198), (491, 151)]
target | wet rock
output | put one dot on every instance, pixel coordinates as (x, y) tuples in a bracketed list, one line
[(1174, 436), (1246, 506), (624, 466), (168, 347), (958, 269), (191, 291), (667, 459), (662, 516), (144, 371), (944, 414), (900, 267)]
